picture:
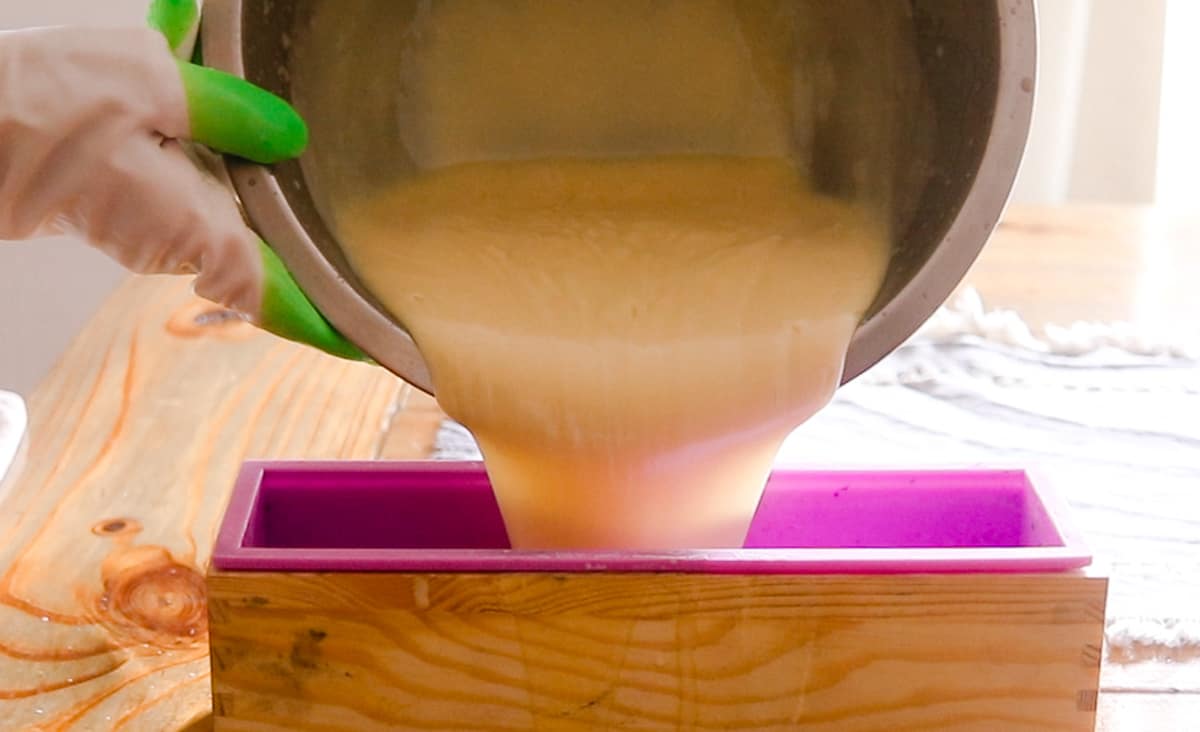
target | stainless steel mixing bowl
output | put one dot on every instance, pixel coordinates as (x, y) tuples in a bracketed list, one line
[(944, 169)]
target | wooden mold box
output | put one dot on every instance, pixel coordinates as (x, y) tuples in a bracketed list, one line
[(365, 596)]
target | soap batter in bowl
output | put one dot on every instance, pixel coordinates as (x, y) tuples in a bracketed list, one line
[(611, 261)]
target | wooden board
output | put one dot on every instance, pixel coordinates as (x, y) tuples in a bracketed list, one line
[(1095, 263), (133, 445), (600, 651)]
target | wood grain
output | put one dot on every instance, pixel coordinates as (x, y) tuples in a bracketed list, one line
[(1095, 263), (655, 651), (411, 432), (133, 445)]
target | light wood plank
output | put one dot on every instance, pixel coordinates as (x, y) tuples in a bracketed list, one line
[(134, 441), (1095, 263), (411, 433)]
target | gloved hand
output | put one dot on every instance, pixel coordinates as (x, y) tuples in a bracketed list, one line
[(93, 131)]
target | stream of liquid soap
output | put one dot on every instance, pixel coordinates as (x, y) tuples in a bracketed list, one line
[(621, 281)]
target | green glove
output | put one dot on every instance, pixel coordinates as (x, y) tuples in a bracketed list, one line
[(234, 117)]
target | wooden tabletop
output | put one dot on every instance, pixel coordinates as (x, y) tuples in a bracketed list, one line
[(137, 433), (1096, 263)]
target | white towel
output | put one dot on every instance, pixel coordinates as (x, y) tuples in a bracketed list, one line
[(13, 419)]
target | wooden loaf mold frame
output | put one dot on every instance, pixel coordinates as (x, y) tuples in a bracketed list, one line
[(376, 595)]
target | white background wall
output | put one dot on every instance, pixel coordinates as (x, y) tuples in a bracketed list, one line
[(50, 288), (1096, 120), (1095, 137)]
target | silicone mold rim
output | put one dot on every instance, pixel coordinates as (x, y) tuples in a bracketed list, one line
[(233, 552)]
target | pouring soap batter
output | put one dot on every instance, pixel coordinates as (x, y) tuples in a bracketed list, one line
[(628, 341), (611, 260)]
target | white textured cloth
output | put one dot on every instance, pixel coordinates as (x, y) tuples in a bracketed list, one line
[(1105, 415), (13, 419)]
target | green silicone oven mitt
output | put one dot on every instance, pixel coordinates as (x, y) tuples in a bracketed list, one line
[(232, 116)]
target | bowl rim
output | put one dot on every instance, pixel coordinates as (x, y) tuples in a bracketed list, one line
[(982, 207)]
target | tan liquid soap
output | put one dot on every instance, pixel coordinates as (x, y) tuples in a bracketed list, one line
[(621, 281)]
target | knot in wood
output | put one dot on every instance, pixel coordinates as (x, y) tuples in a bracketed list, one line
[(151, 599), (116, 527)]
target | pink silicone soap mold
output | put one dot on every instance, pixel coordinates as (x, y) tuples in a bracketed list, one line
[(442, 516)]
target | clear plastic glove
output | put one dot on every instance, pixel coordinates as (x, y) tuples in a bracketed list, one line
[(92, 129)]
